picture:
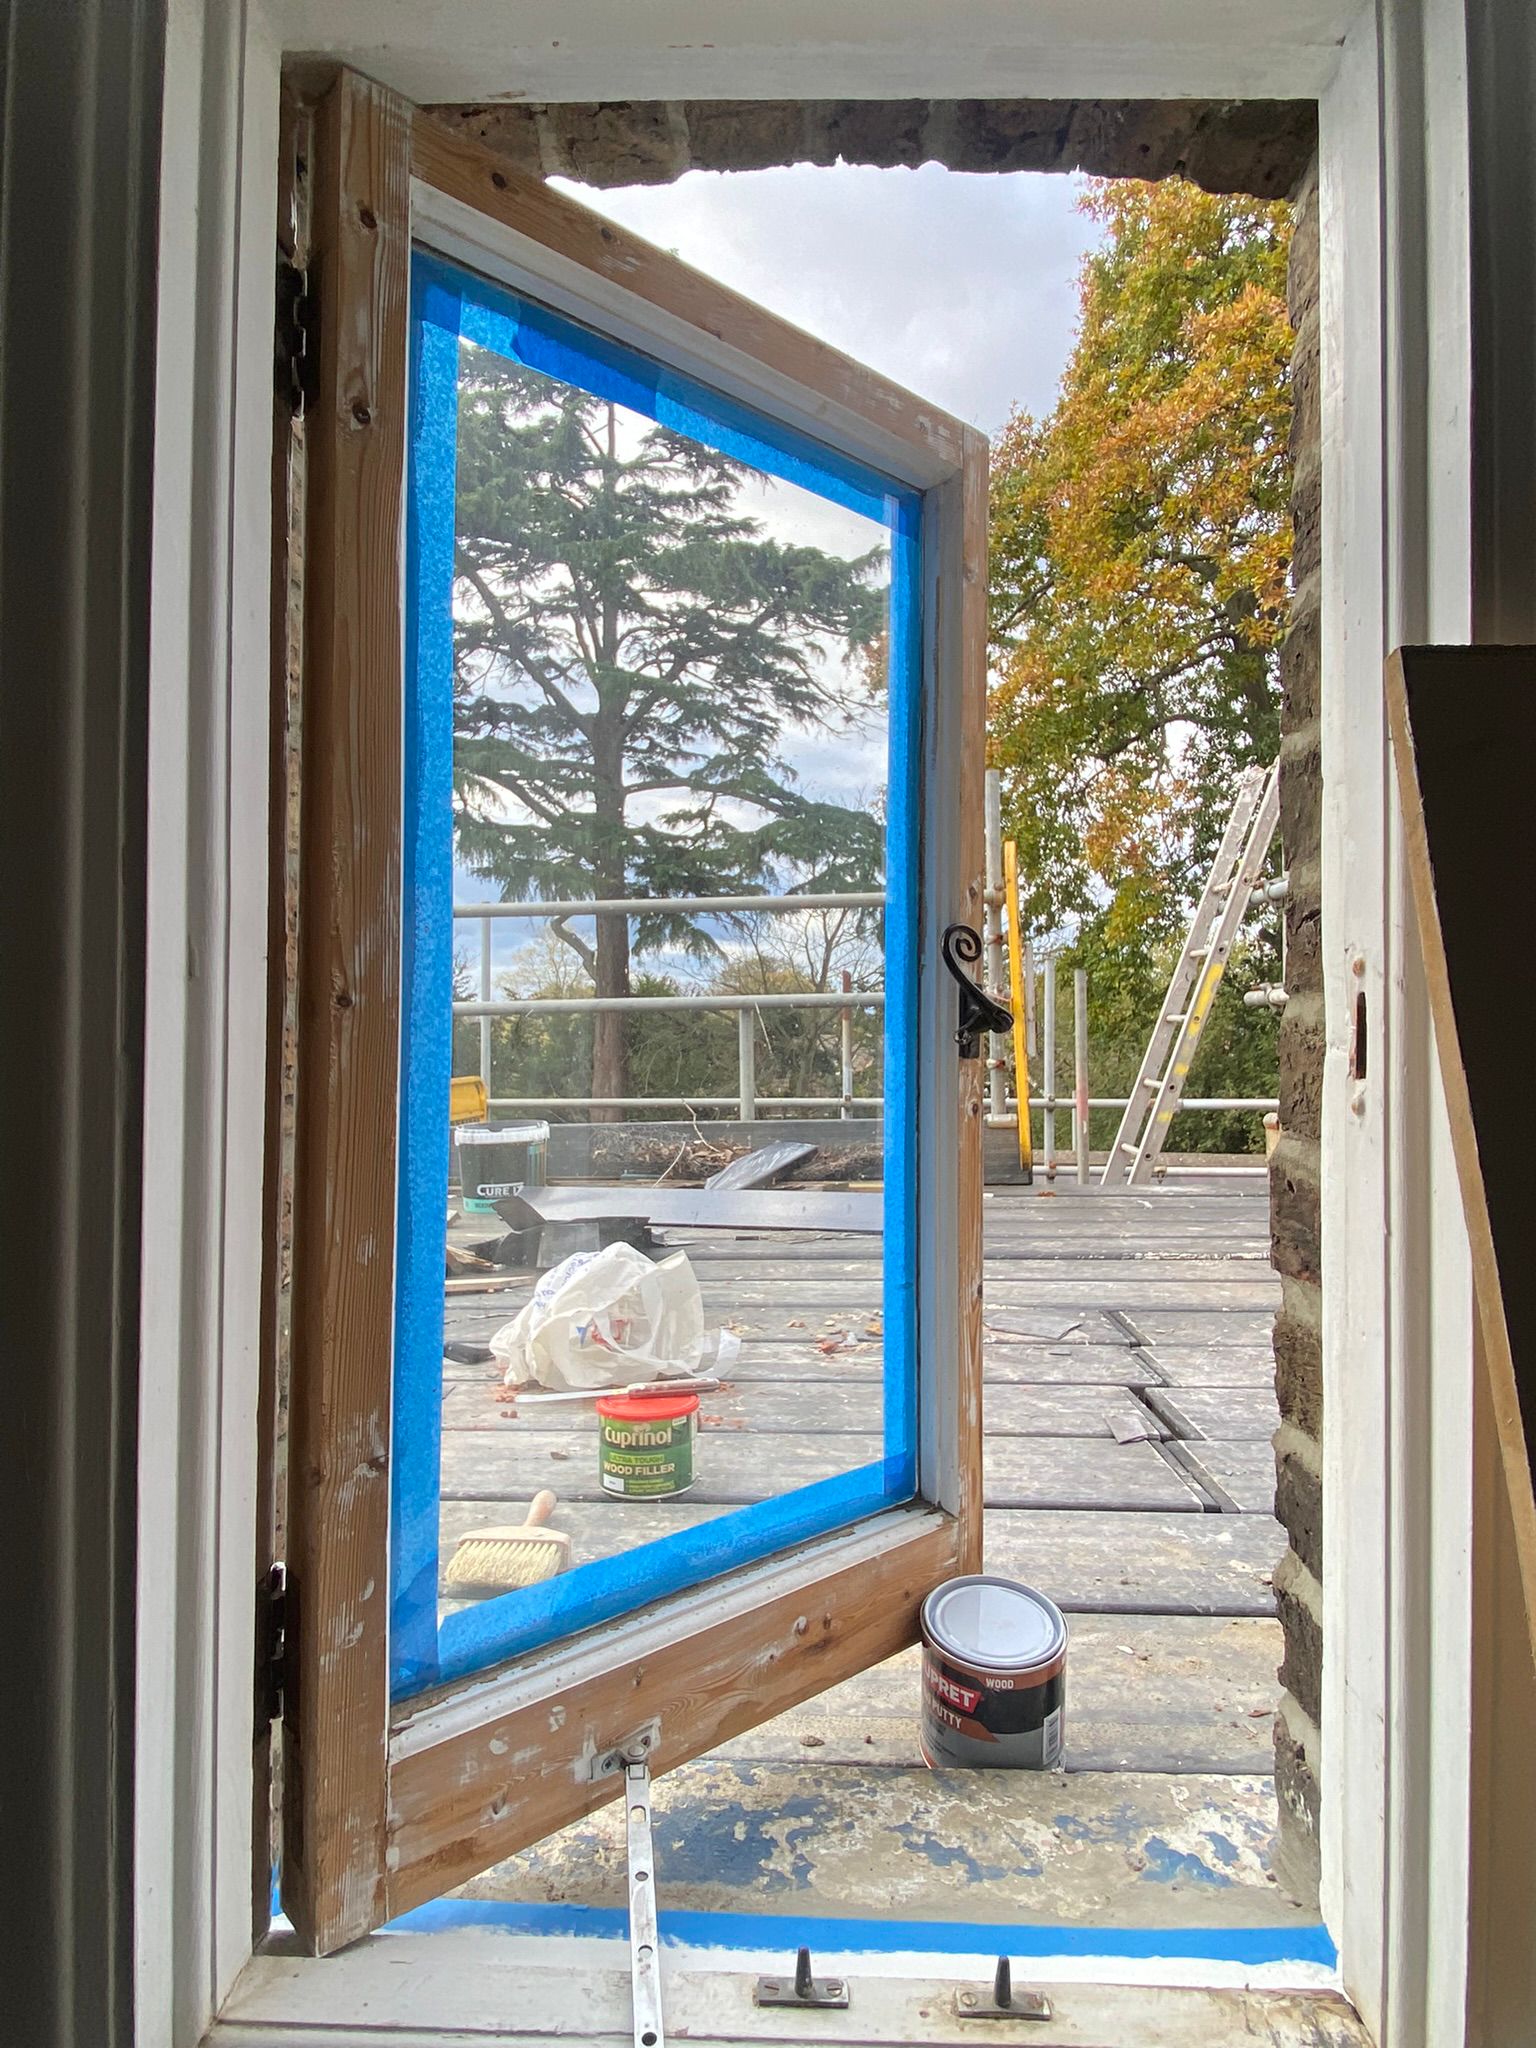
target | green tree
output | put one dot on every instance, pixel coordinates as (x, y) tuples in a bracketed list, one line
[(631, 649), (1140, 545), (1140, 552)]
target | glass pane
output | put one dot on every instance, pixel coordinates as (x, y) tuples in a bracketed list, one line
[(664, 664)]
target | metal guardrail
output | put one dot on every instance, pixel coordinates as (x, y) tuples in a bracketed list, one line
[(747, 1101), (1002, 1109)]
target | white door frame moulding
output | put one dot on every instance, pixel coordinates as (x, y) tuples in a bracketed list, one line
[(1383, 1322), (818, 49)]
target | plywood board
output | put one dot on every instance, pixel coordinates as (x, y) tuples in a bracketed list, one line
[(1144, 1693), (1250, 1412), (1141, 1563), (1248, 1367), (840, 1262), (1213, 1327), (1463, 726), (1023, 1472), (1240, 1471), (796, 1358), (1062, 1286), (830, 1407), (1098, 1561), (1046, 1472)]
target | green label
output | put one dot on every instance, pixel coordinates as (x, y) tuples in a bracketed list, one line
[(646, 1460)]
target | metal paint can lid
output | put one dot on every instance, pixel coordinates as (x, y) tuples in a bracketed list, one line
[(995, 1624)]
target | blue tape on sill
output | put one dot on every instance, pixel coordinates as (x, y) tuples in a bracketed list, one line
[(1309, 1942)]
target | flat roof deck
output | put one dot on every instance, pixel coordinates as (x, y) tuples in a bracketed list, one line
[(1129, 1406)]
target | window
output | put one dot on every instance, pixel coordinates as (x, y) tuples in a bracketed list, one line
[(462, 308)]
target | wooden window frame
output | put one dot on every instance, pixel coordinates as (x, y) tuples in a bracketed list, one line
[(385, 1809)]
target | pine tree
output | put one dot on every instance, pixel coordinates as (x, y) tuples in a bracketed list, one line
[(631, 649)]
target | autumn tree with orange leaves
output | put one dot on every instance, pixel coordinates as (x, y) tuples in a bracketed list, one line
[(1140, 552)]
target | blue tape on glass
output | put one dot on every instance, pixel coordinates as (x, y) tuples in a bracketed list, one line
[(611, 1586), (426, 980), (902, 869), (512, 326), (450, 305)]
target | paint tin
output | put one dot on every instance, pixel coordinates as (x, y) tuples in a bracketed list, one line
[(645, 1447), (994, 1677), (497, 1160)]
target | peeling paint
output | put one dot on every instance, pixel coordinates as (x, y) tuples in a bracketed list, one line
[(1119, 1848)]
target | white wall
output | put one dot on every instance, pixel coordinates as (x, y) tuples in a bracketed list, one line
[(206, 998), (817, 49)]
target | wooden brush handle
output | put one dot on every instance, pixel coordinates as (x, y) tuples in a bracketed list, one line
[(540, 1508)]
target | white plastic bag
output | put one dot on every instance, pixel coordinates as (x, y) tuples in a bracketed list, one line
[(606, 1319)]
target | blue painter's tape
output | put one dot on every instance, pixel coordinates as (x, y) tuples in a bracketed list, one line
[(610, 1586), (902, 865), (1307, 1942), (450, 304), (426, 1037), (512, 326)]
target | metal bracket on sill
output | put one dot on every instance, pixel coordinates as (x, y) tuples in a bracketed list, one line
[(999, 2000), (801, 1988), (644, 1933), (635, 1748)]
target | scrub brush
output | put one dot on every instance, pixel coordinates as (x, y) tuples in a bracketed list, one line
[(499, 1560)]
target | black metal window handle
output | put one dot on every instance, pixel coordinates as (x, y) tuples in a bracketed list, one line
[(978, 1011)]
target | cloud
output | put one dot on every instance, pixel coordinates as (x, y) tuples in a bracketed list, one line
[(962, 287)]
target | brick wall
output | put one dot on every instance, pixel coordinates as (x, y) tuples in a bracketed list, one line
[(1257, 146)]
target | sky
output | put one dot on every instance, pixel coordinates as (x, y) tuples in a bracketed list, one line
[(963, 288)]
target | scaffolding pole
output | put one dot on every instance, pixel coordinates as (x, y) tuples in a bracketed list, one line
[(485, 997), (995, 975), (746, 1062), (1080, 1115), (845, 1045), (1020, 995), (1048, 1066)]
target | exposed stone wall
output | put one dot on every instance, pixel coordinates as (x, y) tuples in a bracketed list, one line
[(1256, 146), (1263, 148), (1295, 1209)]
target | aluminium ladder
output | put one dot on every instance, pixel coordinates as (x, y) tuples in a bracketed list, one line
[(1213, 930)]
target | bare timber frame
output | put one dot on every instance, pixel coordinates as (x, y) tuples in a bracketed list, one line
[(384, 1809)]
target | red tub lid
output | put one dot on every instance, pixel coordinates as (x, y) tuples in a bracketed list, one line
[(652, 1408)]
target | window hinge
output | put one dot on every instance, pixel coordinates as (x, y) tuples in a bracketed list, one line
[(296, 357), (271, 1646)]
